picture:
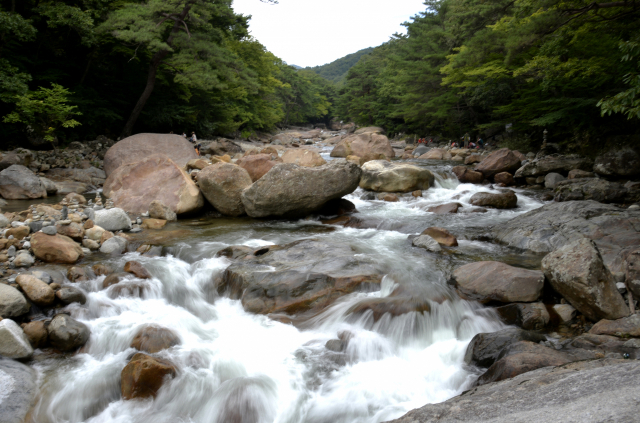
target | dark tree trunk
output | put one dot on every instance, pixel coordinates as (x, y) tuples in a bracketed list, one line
[(153, 70)]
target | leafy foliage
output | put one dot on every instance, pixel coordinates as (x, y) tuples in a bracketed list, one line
[(336, 71)]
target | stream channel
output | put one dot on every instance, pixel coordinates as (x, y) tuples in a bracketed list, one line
[(239, 367)]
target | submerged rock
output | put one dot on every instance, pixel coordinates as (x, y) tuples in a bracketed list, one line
[(384, 176), (300, 276), (426, 242)]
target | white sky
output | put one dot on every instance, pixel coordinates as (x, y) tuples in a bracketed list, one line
[(315, 32)]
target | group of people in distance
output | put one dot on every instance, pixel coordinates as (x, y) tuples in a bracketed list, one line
[(465, 141), (192, 139)]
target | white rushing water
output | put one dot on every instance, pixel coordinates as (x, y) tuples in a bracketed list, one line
[(235, 366)]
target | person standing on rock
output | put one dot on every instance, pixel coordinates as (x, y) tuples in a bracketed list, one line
[(467, 138)]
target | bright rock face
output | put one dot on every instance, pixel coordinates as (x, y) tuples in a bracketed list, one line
[(384, 176)]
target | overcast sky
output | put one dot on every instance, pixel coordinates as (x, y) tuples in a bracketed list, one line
[(315, 32)]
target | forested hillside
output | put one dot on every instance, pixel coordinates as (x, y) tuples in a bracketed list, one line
[(570, 66), (75, 69), (337, 70)]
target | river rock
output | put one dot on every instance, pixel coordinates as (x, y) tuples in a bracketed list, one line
[(222, 185), (289, 190), (257, 165), (18, 233), (158, 210), (49, 185), (137, 147), (615, 231), (576, 271), (37, 291), (445, 208), (36, 333), (624, 328), (12, 302), (594, 391), (554, 163), (596, 189), (13, 342), (220, 147), (19, 183), (529, 316), (71, 294), (19, 390), (622, 162), (75, 231), (436, 154), (466, 175), (485, 348), (384, 176), (4, 221), (486, 281), (133, 186), (552, 179), (420, 150), (66, 333), (426, 242), (504, 178), (114, 219), (503, 160), (143, 376), (114, 278), (24, 259), (303, 157), (442, 236), (95, 233), (137, 269), (153, 224), (473, 158), (304, 275), (114, 245), (361, 144), (154, 338), (577, 174), (504, 200)]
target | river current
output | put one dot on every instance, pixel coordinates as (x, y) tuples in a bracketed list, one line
[(239, 367)]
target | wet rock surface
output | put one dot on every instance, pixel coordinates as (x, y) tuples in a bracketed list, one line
[(144, 375), (383, 176), (19, 390)]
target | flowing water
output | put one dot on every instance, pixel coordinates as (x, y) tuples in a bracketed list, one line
[(234, 366)]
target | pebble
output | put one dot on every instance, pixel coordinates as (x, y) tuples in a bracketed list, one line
[(11, 252), (11, 237), (622, 288), (65, 222), (50, 230), (26, 245)]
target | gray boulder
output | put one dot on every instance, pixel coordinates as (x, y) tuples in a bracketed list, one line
[(615, 231), (554, 163), (420, 150), (13, 342), (66, 333), (587, 391), (503, 160), (384, 176), (486, 281), (621, 162), (12, 302), (289, 190), (114, 245), (19, 183), (18, 390), (503, 200), (577, 272), (551, 180), (71, 294), (486, 348), (426, 242), (596, 189), (114, 219)]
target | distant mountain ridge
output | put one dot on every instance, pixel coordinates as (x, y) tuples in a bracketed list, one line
[(337, 70)]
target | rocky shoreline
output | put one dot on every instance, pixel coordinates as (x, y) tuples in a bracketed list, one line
[(576, 314)]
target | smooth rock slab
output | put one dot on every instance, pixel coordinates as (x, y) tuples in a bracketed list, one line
[(13, 342), (486, 281), (577, 272), (592, 391)]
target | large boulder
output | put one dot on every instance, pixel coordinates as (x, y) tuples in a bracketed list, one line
[(503, 200), (289, 190), (114, 219), (305, 275), (486, 348), (154, 338), (596, 189), (12, 302), (303, 157), (140, 146), (466, 175), (623, 328), (134, 185), (577, 272), (19, 389), (37, 291), (19, 183), (257, 165), (588, 391), (623, 162), (55, 248), (361, 144), (615, 231), (144, 375), (13, 342), (66, 333), (384, 176), (222, 185), (503, 160), (486, 281), (554, 163)]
